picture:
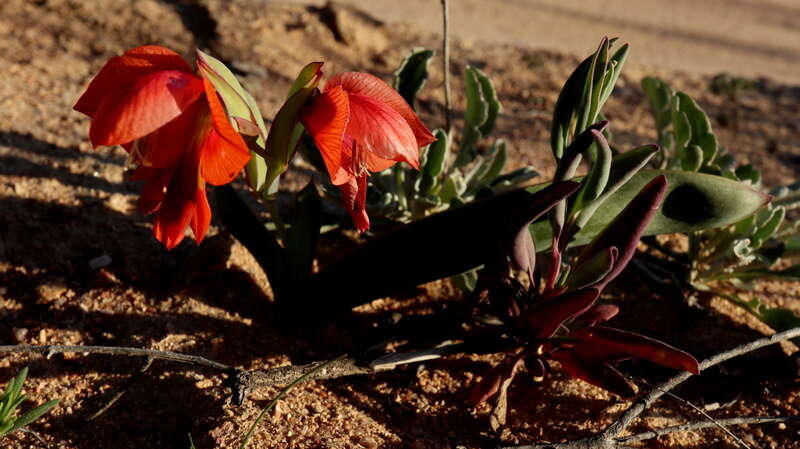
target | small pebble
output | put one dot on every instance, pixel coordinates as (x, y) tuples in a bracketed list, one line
[(20, 333)]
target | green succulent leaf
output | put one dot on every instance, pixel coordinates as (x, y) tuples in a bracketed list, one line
[(435, 158), (477, 111), (694, 201), (410, 77), (489, 95)]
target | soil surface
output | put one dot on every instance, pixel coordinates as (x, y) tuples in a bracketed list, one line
[(65, 207)]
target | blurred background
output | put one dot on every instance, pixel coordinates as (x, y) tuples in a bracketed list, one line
[(747, 37)]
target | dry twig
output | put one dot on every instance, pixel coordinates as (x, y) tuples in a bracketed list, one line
[(241, 382)]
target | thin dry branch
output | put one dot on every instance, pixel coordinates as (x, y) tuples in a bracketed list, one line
[(241, 382), (697, 425), (446, 63), (610, 437)]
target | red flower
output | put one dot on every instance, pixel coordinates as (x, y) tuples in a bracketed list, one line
[(362, 125), (175, 128)]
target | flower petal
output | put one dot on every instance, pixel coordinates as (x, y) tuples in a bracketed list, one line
[(149, 104), (326, 120), (377, 164), (121, 72), (156, 181), (201, 219), (224, 152), (354, 199), (373, 87), (166, 146), (381, 130), (183, 199)]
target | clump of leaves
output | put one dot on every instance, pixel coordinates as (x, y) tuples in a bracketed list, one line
[(556, 315), (12, 398), (459, 240), (728, 259)]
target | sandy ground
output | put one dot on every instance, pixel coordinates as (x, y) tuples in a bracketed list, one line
[(62, 205), (744, 37)]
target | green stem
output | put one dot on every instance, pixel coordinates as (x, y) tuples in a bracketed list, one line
[(280, 395), (275, 214)]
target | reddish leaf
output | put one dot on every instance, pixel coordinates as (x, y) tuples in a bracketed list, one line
[(599, 313), (626, 229), (545, 317), (605, 344)]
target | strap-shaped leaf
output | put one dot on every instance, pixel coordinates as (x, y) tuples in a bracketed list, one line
[(303, 235), (596, 180), (459, 239), (33, 415)]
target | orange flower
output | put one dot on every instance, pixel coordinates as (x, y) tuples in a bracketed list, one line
[(362, 125), (175, 128)]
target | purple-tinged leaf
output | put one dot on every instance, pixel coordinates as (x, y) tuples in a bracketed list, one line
[(627, 227), (599, 313), (601, 344), (545, 317), (523, 251), (572, 155)]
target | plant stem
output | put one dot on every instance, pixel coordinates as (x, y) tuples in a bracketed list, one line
[(446, 64), (275, 214)]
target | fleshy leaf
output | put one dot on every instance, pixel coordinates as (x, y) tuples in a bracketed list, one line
[(694, 201), (607, 344), (410, 77), (435, 158), (627, 227), (593, 270), (545, 317)]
